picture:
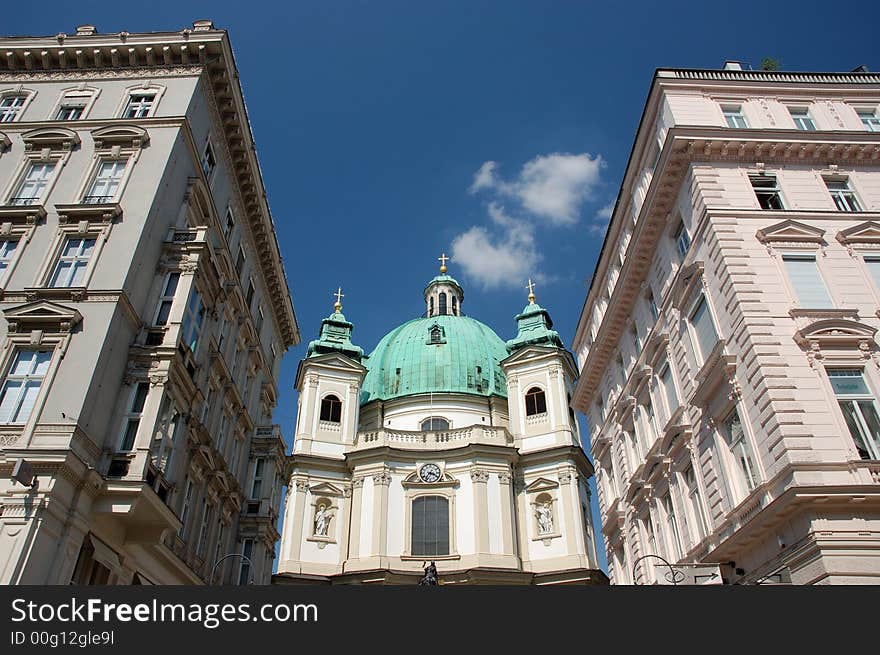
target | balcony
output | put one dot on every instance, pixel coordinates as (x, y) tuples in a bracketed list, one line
[(475, 434)]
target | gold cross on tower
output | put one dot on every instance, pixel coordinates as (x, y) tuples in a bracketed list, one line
[(443, 259), (531, 287), (339, 296)]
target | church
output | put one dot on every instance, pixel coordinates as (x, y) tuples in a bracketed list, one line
[(445, 444)]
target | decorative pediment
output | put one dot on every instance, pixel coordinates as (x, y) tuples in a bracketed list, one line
[(415, 480), (325, 489), (867, 232), (4, 142), (836, 332), (541, 484), (50, 137), (689, 281), (791, 232), (333, 360), (126, 136), (41, 315)]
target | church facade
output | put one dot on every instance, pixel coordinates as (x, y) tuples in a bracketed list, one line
[(444, 445)]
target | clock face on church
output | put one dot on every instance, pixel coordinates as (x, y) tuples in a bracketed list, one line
[(429, 473)]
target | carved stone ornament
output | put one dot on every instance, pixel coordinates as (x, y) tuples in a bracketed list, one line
[(478, 475)]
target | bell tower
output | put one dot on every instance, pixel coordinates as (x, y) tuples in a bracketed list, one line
[(329, 383)]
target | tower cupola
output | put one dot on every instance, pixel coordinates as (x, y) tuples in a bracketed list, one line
[(443, 295)]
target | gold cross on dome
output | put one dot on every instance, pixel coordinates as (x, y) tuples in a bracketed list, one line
[(339, 296), (531, 287), (443, 259)]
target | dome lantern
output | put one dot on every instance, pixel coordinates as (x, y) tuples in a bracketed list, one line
[(443, 295)]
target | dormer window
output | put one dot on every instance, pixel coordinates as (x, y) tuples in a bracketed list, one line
[(436, 335), (536, 402), (331, 409)]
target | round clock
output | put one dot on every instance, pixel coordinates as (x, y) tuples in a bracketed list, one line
[(429, 473)]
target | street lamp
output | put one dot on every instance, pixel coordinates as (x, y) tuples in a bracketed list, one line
[(673, 576), (241, 555)]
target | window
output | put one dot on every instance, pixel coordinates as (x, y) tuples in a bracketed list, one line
[(230, 223), (431, 306), (7, 252), (651, 537), (621, 367), (72, 263), (436, 334), (250, 293), (843, 196), (167, 299), (33, 184), (704, 329), (239, 262), (809, 288), (672, 526), (652, 306), (682, 240), (454, 305), (22, 385), (260, 318), (257, 483), (767, 191), (133, 415), (442, 303), (734, 117), (10, 107), (331, 409), (434, 424), (695, 501), (184, 510), (73, 106), (801, 118), (536, 402), (637, 341), (106, 183), (139, 105), (207, 511), (208, 161), (165, 436), (737, 443), (873, 264), (859, 410), (244, 568), (194, 316), (870, 119), (430, 526), (668, 385), (236, 451)]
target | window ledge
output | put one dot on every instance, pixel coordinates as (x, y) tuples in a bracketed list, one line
[(102, 212), (22, 213), (429, 558)]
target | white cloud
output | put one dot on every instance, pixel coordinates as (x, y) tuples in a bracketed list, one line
[(485, 177), (600, 221), (497, 261), (553, 186)]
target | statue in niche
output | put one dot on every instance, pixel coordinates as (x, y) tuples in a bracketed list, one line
[(544, 512), (322, 521)]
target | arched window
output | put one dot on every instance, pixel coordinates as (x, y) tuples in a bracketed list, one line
[(331, 409), (442, 303), (536, 402), (455, 305), (431, 306), (430, 526), (434, 424)]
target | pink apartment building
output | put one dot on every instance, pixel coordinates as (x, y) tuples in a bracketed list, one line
[(730, 370)]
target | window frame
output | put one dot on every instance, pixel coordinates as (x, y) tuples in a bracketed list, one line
[(45, 380), (802, 118), (702, 299), (85, 95), (156, 90), (774, 192), (845, 196), (88, 196), (422, 427), (133, 414), (873, 118), (27, 95), (208, 161), (190, 319), (540, 396), (165, 299), (422, 498), (10, 260), (334, 402), (682, 240), (74, 260), (734, 112), (804, 254), (14, 190), (745, 480), (871, 443)]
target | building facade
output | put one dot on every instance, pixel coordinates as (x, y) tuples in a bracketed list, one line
[(730, 367), (144, 314), (444, 445)]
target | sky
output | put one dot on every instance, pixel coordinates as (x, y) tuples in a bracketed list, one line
[(496, 132)]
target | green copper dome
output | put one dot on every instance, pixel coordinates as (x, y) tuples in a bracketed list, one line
[(438, 354)]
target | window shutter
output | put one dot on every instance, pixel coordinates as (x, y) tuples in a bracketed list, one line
[(807, 281)]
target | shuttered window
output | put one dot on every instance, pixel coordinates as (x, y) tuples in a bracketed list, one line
[(430, 526), (701, 320), (803, 272)]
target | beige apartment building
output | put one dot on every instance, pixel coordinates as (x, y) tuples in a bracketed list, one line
[(730, 369), (145, 311)]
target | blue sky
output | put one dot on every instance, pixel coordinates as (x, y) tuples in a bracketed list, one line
[(389, 132)]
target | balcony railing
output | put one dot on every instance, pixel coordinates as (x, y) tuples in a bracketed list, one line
[(476, 434), (97, 200), (24, 201)]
